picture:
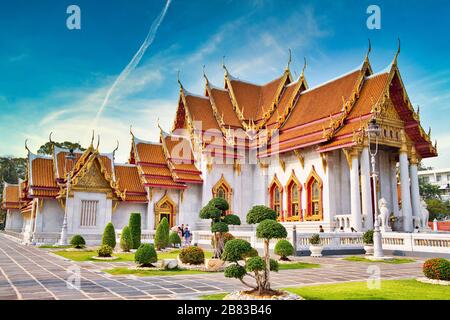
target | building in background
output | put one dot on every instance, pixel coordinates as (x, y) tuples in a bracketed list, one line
[(437, 177)]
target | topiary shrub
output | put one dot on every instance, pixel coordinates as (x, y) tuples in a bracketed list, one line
[(109, 236), (284, 248), (227, 237), (125, 239), (135, 229), (162, 234), (77, 242), (215, 211), (105, 251), (174, 238), (192, 255), (314, 240), (368, 237), (146, 255), (437, 268), (237, 249)]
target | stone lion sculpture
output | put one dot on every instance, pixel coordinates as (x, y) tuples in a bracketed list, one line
[(425, 213), (383, 213)]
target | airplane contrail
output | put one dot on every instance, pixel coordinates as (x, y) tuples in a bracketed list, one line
[(136, 59)]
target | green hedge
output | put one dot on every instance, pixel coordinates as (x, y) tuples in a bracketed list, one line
[(109, 236), (125, 239), (135, 229), (162, 234)]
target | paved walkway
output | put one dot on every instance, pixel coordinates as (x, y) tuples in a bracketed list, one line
[(27, 272)]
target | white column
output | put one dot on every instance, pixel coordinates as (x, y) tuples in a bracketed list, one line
[(415, 196), (394, 196), (366, 193), (355, 201), (406, 194)]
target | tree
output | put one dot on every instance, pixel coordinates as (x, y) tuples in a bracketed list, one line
[(109, 236), (437, 208), (135, 229), (146, 255), (284, 248), (47, 147), (429, 191), (125, 239), (215, 211), (237, 249), (162, 234), (174, 238)]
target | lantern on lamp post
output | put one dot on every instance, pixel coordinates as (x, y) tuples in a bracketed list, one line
[(373, 132)]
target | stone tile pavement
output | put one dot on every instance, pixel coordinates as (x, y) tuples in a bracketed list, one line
[(27, 272)]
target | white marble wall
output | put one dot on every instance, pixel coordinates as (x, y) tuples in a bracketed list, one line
[(121, 216), (14, 220)]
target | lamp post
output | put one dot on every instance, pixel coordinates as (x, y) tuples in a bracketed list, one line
[(373, 131), (63, 238)]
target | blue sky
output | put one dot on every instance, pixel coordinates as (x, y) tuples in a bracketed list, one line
[(55, 79)]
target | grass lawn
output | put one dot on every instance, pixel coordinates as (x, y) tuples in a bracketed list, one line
[(87, 255), (297, 265), (390, 290), (394, 261), (152, 273), (51, 246)]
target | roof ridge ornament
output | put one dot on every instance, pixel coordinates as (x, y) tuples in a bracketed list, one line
[(224, 66), (302, 76), (394, 62), (131, 130), (92, 140), (369, 49), (26, 146), (289, 59), (98, 142), (114, 151), (179, 81)]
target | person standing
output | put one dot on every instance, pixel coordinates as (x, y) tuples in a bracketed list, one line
[(187, 236)]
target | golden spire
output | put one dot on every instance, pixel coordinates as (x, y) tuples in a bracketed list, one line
[(26, 146), (92, 140), (302, 76), (369, 49), (394, 62), (289, 60)]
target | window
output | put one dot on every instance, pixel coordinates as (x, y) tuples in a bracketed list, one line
[(294, 198), (88, 217), (276, 197), (438, 177), (314, 192), (222, 189)]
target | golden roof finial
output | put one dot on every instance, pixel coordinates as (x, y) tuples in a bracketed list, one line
[(98, 142), (429, 132), (26, 146), (50, 138), (369, 49), (397, 53), (304, 68), (131, 130), (92, 140), (289, 60), (178, 79), (204, 75), (117, 148), (435, 144), (224, 66)]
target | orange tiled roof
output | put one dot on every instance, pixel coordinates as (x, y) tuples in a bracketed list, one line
[(224, 106), (129, 180), (10, 196), (42, 174), (150, 153)]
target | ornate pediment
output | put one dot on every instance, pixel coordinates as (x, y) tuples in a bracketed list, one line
[(92, 179)]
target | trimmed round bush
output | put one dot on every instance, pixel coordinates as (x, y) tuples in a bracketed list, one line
[(284, 248), (260, 213), (192, 255), (315, 239), (145, 255), (109, 236), (274, 265), (270, 229), (236, 249), (219, 227), (232, 219), (105, 251), (368, 237), (125, 239), (437, 268), (162, 234), (135, 229), (77, 241), (210, 212), (219, 203), (235, 271), (254, 264), (174, 238)]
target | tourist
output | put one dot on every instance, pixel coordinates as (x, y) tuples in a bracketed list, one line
[(187, 236), (321, 229)]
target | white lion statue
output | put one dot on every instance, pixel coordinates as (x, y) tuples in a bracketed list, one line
[(383, 214), (425, 214)]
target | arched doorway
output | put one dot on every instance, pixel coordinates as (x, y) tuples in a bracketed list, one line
[(222, 189), (165, 208)]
